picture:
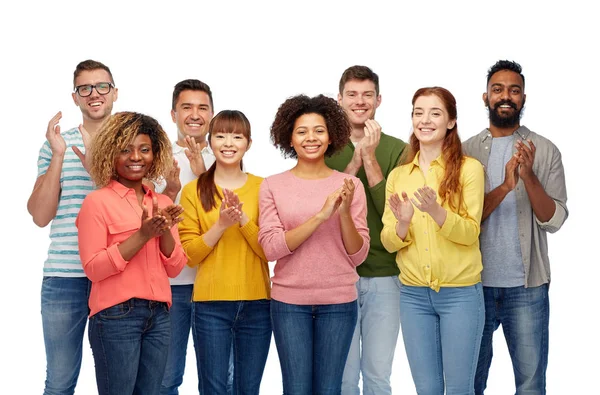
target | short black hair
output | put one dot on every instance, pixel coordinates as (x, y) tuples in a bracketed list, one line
[(191, 85), (505, 65)]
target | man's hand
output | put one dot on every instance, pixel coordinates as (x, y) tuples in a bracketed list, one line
[(525, 159), (173, 183), (86, 160), (58, 146), (194, 154), (371, 139)]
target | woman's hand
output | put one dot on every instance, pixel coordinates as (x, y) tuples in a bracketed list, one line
[(346, 195), (402, 208)]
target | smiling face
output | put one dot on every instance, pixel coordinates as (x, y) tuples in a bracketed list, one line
[(310, 137), (359, 100), (505, 99), (95, 107), (192, 115), (229, 148), (134, 161), (431, 120)]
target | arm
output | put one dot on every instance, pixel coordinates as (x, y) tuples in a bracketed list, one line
[(353, 222), (250, 233), (377, 190), (464, 227), (550, 213), (190, 229), (43, 202), (352, 240)]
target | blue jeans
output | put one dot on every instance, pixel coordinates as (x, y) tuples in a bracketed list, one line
[(312, 344), (130, 342), (182, 313), (216, 326), (442, 333), (64, 316), (377, 332), (524, 314)]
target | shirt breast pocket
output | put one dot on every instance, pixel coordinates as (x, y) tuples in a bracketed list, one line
[(121, 231)]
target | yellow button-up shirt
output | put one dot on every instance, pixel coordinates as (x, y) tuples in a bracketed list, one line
[(431, 255)]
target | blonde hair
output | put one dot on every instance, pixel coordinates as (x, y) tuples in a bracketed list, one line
[(118, 132)]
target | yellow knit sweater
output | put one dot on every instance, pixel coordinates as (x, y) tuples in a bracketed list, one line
[(236, 267)]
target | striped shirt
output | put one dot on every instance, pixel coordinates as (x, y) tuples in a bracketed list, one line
[(75, 183)]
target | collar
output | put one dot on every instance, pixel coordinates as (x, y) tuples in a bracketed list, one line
[(523, 132), (437, 161), (122, 190)]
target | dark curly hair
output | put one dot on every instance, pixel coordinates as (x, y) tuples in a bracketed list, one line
[(505, 65), (338, 126)]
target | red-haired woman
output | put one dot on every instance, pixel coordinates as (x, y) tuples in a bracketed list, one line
[(432, 220)]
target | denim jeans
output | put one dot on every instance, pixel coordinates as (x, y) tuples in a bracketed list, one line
[(375, 337), (524, 314), (216, 326), (130, 342), (313, 343), (442, 333), (64, 316)]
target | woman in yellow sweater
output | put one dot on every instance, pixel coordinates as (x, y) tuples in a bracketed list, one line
[(219, 233), (432, 220)]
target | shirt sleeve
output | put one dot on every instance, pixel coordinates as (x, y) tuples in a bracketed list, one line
[(358, 210), (390, 240), (250, 233), (99, 259), (271, 234), (190, 229), (464, 227), (556, 188), (44, 158)]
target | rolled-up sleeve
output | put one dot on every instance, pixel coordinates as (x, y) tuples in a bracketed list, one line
[(271, 234), (556, 188)]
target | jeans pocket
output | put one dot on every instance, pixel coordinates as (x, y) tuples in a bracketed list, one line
[(117, 311)]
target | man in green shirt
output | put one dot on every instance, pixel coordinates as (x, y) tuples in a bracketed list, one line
[(371, 155)]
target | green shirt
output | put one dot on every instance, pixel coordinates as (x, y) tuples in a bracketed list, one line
[(379, 262)]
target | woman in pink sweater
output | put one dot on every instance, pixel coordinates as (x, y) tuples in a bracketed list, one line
[(313, 223)]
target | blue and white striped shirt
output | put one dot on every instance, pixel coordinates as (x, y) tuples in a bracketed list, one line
[(75, 183)]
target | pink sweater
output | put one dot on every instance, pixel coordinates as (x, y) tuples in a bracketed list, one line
[(320, 271)]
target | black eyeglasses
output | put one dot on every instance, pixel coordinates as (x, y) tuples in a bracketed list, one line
[(102, 88)]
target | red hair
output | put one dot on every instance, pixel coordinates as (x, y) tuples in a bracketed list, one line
[(450, 189)]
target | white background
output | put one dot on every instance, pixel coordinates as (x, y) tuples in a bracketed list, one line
[(254, 55)]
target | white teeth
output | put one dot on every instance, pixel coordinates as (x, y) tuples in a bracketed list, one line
[(194, 125), (95, 104), (135, 167), (360, 111)]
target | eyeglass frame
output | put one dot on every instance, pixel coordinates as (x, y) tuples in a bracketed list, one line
[(94, 86)]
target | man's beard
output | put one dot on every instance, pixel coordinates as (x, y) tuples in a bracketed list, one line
[(504, 121)]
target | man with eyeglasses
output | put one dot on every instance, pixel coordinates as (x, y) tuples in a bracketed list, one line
[(62, 184)]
